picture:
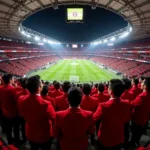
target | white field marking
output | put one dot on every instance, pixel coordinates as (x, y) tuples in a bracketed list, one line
[(74, 78), (74, 64)]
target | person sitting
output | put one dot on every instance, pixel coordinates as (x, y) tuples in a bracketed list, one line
[(73, 125), (38, 114), (113, 115), (88, 102)]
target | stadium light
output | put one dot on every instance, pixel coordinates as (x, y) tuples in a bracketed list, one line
[(130, 29), (44, 40), (105, 41), (23, 32), (95, 43), (113, 39), (124, 34), (36, 38), (28, 35)]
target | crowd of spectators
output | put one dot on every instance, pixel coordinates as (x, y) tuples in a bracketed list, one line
[(75, 115)]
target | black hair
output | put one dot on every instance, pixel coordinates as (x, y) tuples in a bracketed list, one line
[(33, 83), (54, 82), (65, 86), (6, 78), (44, 91), (142, 78), (86, 89), (47, 83), (57, 85), (74, 96), (23, 82), (127, 83), (135, 81), (96, 85), (147, 83), (117, 87), (101, 87)]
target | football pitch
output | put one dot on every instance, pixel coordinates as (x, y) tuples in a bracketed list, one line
[(75, 70)]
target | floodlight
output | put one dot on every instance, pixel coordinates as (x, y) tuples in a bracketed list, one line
[(36, 38), (113, 39), (105, 41)]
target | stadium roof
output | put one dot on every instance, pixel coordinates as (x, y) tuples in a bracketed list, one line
[(13, 12)]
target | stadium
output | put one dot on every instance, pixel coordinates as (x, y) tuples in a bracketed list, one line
[(58, 49)]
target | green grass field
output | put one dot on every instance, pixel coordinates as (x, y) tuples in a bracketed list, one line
[(75, 70)]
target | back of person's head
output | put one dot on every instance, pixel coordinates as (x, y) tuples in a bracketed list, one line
[(86, 89), (23, 82), (47, 83), (78, 85), (44, 91), (65, 86), (74, 96), (33, 84), (7, 78), (127, 83), (141, 79), (54, 82), (135, 81), (57, 85), (116, 87), (96, 85), (101, 87), (146, 83)]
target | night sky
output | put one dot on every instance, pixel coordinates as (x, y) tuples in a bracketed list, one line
[(97, 23)]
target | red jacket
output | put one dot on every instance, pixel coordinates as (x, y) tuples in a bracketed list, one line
[(136, 91), (113, 115), (38, 115), (55, 93), (102, 97), (72, 127), (50, 99), (61, 102), (89, 103), (127, 95), (94, 91), (8, 97), (22, 92), (141, 108)]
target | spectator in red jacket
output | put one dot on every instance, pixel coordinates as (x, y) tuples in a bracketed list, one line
[(102, 97), (94, 89), (22, 92), (61, 102), (135, 89), (140, 81), (73, 125), (9, 108), (57, 91), (127, 94), (88, 102), (38, 114), (113, 115), (44, 94), (141, 112)]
